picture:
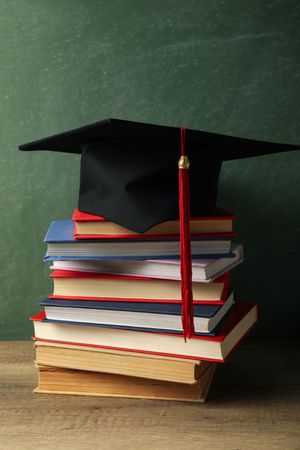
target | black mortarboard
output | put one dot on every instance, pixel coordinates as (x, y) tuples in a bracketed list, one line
[(129, 175), (129, 169)]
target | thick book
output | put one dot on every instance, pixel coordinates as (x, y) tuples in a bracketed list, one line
[(204, 270), (54, 380), (212, 348), (62, 245), (119, 362), (89, 226), (163, 316), (91, 286)]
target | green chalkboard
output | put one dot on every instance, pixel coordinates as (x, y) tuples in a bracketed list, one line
[(229, 67)]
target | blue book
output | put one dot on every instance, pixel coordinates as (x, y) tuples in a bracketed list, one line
[(162, 317), (63, 246)]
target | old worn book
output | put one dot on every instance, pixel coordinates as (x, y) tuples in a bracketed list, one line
[(54, 380), (119, 362)]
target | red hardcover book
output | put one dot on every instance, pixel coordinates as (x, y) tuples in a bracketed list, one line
[(236, 327), (69, 284), (89, 226)]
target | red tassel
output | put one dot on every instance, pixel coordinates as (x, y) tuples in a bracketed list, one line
[(187, 311)]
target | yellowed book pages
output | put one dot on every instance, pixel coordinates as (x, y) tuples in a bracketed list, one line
[(113, 351), (169, 227), (133, 288), (180, 371), (76, 382)]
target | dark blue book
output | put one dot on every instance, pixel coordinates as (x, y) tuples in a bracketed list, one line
[(63, 246), (162, 317)]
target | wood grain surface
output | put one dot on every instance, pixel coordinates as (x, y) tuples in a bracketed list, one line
[(253, 404)]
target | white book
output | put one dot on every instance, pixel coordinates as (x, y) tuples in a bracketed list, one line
[(204, 270), (239, 322)]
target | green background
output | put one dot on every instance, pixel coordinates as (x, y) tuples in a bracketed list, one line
[(222, 66)]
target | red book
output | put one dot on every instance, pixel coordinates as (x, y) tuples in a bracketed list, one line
[(89, 226), (239, 323), (69, 284)]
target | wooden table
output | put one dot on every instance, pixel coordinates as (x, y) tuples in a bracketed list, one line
[(253, 404)]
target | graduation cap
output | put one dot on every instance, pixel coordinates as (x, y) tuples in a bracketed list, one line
[(129, 176)]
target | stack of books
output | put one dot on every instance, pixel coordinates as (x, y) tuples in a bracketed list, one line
[(112, 326)]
